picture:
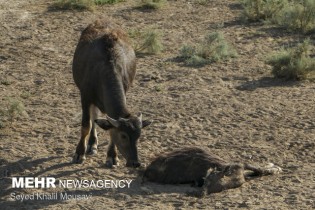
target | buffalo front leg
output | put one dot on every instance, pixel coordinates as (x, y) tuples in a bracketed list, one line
[(93, 140), (86, 126), (112, 158)]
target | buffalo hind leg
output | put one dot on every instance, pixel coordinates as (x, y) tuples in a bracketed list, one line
[(86, 126), (93, 140)]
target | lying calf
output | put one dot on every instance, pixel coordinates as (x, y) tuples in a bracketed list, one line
[(194, 165)]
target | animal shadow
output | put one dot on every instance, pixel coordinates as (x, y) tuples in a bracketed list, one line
[(265, 82)]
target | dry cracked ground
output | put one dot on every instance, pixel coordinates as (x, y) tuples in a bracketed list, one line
[(234, 108)]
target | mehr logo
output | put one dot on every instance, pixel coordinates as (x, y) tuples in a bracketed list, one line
[(51, 182), (33, 182)]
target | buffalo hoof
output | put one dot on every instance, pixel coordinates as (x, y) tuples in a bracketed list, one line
[(78, 158), (133, 164), (111, 163), (91, 150)]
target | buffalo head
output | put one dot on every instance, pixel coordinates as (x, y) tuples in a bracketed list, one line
[(125, 133)]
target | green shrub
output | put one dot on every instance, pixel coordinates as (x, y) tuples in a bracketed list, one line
[(196, 60), (101, 2), (151, 4), (10, 109), (202, 2), (81, 4), (187, 51), (25, 94), (257, 10), (292, 14), (15, 108), (2, 117), (6, 82), (294, 63), (214, 48), (73, 4), (298, 15), (147, 42)]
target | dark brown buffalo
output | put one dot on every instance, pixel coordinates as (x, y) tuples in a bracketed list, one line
[(194, 165), (104, 66)]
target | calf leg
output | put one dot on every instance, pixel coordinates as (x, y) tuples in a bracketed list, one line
[(261, 171), (86, 126), (93, 140), (255, 170)]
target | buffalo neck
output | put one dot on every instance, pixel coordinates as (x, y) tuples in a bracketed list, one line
[(114, 97)]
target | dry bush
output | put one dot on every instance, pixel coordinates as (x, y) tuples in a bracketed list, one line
[(10, 109), (147, 41), (151, 4), (294, 63), (5, 82), (81, 4), (102, 2), (213, 48), (298, 15), (73, 5), (258, 10)]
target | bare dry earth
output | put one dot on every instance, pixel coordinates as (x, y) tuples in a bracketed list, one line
[(234, 108)]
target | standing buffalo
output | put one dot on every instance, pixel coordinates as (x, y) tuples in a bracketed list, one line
[(104, 66)]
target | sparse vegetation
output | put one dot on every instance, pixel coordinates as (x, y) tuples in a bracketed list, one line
[(294, 63), (81, 4), (6, 82), (257, 10), (214, 48), (2, 117), (202, 2), (25, 95), (73, 4), (298, 15), (101, 2), (147, 42), (15, 108), (151, 4), (10, 109), (158, 88), (292, 14)]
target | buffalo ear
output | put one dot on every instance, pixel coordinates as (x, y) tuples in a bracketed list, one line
[(103, 123), (146, 123), (112, 121)]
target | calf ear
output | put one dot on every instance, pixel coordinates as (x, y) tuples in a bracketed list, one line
[(146, 123), (103, 123)]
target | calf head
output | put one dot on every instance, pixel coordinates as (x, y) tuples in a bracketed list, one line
[(125, 133)]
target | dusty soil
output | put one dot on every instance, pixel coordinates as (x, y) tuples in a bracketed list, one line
[(234, 108)]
